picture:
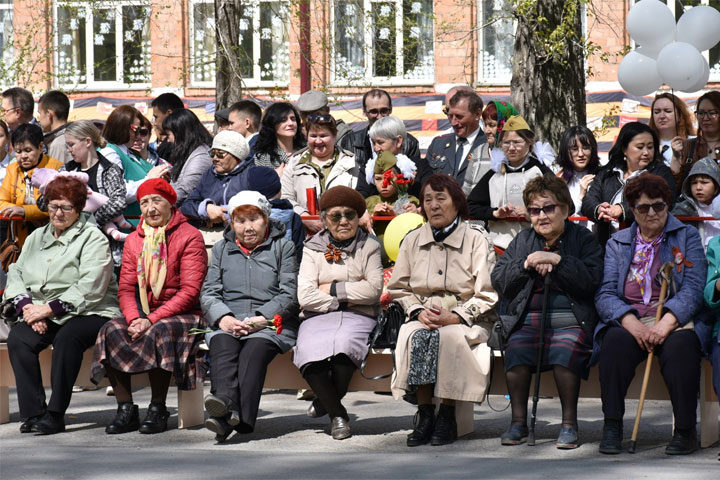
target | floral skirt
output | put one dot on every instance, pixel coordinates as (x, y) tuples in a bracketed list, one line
[(166, 345)]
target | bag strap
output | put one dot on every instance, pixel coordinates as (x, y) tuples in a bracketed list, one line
[(492, 369), (689, 159), (376, 377)]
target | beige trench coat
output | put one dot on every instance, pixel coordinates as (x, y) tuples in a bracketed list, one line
[(298, 177), (454, 273)]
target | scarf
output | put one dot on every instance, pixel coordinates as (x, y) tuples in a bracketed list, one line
[(641, 263), (152, 264), (440, 234)]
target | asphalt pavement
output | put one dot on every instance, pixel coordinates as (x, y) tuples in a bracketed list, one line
[(288, 444)]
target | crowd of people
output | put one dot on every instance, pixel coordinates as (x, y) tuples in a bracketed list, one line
[(261, 239)]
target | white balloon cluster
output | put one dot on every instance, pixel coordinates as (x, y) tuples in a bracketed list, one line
[(668, 53)]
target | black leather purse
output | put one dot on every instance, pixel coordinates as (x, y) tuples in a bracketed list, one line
[(385, 334)]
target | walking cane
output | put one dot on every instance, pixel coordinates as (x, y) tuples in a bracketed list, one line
[(665, 272), (538, 369)]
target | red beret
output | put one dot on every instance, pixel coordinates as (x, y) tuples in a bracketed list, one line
[(157, 186)]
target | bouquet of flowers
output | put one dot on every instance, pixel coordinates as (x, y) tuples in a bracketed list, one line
[(275, 325)]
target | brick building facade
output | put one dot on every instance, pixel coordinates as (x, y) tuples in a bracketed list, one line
[(139, 48)]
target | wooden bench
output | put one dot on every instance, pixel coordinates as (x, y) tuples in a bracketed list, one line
[(282, 374)]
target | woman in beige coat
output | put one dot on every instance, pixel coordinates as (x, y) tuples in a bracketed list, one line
[(322, 166), (339, 288), (442, 280)]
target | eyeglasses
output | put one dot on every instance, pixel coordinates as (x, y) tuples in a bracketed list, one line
[(709, 113), (547, 210), (513, 143), (379, 111), (140, 131), (320, 118), (350, 215), (645, 207), (218, 154), (52, 207)]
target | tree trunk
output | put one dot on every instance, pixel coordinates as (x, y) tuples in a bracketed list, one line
[(228, 77), (548, 82)]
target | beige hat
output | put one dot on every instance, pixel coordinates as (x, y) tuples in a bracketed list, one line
[(516, 122), (233, 143), (249, 197), (312, 101)]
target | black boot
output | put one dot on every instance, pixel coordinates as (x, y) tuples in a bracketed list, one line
[(50, 424), (156, 419), (127, 419), (27, 425), (445, 426), (684, 442), (612, 436), (424, 422)]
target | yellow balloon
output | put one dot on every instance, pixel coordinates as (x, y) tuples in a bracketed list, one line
[(396, 231)]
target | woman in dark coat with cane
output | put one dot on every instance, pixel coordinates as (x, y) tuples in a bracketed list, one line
[(627, 304), (572, 256)]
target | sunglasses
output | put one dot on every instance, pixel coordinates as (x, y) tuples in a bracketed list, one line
[(320, 118), (547, 210), (657, 207), (350, 215), (379, 111), (218, 154), (140, 131)]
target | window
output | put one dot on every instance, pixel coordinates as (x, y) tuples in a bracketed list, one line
[(264, 45), (376, 41), (103, 44), (7, 50), (496, 42)]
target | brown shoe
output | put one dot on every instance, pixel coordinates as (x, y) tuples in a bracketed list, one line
[(340, 428)]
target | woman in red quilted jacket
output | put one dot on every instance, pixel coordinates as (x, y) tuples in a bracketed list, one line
[(163, 268)]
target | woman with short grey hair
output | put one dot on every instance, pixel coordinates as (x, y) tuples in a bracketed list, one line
[(388, 129)]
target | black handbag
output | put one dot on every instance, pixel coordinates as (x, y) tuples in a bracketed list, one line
[(500, 332), (385, 335)]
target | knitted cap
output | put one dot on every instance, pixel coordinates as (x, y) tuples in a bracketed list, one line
[(233, 143), (342, 196), (264, 180), (157, 186), (249, 197)]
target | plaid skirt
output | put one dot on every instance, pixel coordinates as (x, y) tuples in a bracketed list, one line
[(165, 345), (569, 347)]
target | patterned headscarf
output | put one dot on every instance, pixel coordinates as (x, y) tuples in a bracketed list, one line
[(152, 264), (642, 262), (504, 111)]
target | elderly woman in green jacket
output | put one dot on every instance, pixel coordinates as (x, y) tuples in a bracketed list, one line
[(62, 290)]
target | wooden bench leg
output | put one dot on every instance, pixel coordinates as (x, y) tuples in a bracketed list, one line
[(465, 418), (190, 407), (4, 404), (708, 408)]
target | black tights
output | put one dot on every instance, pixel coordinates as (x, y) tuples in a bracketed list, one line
[(329, 379), (568, 386), (159, 384)]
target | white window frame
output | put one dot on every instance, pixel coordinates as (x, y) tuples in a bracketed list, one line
[(482, 79), (247, 82), (90, 84), (369, 79)]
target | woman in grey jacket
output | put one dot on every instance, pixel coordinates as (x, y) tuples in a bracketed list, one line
[(250, 290)]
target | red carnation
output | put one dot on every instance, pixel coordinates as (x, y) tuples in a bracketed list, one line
[(277, 322)]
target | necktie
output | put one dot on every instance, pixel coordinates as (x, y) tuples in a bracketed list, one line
[(459, 154)]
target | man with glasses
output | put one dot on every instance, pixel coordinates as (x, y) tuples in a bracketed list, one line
[(53, 111), (376, 104), (451, 153), (17, 107)]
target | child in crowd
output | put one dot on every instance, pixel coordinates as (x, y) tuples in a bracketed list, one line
[(266, 181), (699, 189), (42, 177), (392, 176)]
